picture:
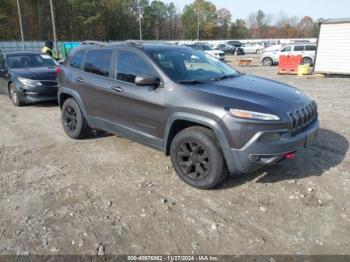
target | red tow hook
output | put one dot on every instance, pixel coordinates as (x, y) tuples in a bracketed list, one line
[(289, 156)]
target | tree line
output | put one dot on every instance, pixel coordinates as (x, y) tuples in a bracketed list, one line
[(119, 20)]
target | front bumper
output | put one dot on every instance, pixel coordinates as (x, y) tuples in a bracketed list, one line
[(38, 94), (269, 147)]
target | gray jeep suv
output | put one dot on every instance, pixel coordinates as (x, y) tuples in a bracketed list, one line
[(210, 119)]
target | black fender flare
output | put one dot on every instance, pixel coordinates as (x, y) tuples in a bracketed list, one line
[(205, 121), (75, 95)]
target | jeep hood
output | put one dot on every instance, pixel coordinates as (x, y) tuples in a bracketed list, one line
[(256, 91)]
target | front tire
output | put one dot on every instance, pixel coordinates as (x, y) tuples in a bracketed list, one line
[(267, 61), (197, 157), (73, 121), (13, 94)]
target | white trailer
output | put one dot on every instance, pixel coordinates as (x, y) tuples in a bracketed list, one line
[(333, 49)]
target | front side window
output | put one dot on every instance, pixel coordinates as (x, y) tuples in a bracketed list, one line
[(286, 49), (207, 47), (199, 47), (130, 65), (30, 61), (77, 59), (186, 65), (98, 62), (298, 48)]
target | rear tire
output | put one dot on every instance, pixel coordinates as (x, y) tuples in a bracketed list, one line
[(306, 61), (197, 157), (13, 94), (73, 121)]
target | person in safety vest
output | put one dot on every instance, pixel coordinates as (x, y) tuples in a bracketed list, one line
[(48, 48)]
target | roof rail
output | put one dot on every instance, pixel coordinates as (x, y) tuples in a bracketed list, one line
[(91, 42), (136, 43)]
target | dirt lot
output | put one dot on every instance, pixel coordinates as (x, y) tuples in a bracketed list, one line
[(60, 196)]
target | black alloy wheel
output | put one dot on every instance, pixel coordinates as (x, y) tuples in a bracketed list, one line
[(73, 121), (70, 118), (197, 157), (193, 160)]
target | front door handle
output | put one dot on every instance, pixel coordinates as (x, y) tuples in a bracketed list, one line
[(117, 89), (79, 80)]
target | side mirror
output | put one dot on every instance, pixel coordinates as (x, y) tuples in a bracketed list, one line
[(147, 81)]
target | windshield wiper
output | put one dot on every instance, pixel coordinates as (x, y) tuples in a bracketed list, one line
[(224, 77), (195, 82), (192, 82)]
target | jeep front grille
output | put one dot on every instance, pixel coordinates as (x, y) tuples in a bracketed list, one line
[(303, 116)]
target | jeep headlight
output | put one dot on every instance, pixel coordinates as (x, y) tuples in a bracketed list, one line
[(253, 115), (29, 82)]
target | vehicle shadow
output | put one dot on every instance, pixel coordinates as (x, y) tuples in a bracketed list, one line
[(96, 134), (328, 151), (44, 104)]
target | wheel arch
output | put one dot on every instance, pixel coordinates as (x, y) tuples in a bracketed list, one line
[(267, 57), (8, 87), (180, 121), (65, 93), (309, 57)]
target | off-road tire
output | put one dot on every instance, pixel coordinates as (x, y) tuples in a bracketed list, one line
[(199, 146), (73, 121)]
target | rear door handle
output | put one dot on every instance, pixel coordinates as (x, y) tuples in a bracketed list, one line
[(79, 80), (117, 89)]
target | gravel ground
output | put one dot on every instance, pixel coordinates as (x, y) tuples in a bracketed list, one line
[(109, 195)]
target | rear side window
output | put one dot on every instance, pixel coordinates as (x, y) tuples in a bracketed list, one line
[(130, 65), (310, 48), (98, 62), (299, 48), (77, 59)]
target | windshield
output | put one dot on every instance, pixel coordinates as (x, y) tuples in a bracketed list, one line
[(188, 65), (207, 47), (30, 60)]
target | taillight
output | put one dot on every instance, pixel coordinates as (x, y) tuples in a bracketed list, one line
[(58, 70), (289, 156)]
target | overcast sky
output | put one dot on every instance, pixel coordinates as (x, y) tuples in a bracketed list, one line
[(314, 8)]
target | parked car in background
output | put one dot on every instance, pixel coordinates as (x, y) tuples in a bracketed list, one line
[(307, 51), (228, 49), (234, 43), (28, 76), (252, 48), (269, 56), (208, 117), (218, 54)]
